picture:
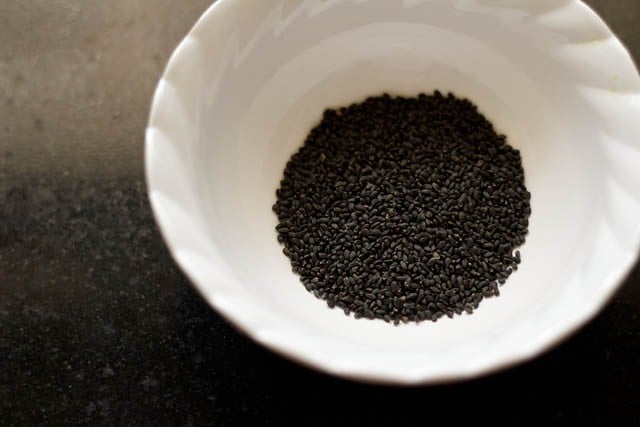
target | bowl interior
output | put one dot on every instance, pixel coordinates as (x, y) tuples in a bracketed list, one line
[(262, 80)]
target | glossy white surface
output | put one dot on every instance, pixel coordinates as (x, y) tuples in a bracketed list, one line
[(243, 89)]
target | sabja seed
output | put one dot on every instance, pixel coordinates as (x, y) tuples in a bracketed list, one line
[(379, 186)]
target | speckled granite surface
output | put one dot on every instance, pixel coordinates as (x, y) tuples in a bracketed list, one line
[(99, 327)]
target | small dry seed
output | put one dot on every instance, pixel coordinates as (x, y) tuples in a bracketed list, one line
[(404, 209)]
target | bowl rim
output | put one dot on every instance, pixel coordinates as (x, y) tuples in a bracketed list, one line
[(280, 343)]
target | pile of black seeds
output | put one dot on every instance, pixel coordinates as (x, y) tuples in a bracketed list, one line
[(404, 209)]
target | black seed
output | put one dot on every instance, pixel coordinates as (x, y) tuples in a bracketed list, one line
[(403, 209)]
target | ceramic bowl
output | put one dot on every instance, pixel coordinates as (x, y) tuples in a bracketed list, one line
[(252, 78)]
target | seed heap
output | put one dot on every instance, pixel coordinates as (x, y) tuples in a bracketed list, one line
[(403, 209)]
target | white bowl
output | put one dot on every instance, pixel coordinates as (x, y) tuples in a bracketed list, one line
[(250, 80)]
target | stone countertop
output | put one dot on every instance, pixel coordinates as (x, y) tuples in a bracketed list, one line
[(98, 325)]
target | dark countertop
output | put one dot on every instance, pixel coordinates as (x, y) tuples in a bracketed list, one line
[(98, 326)]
